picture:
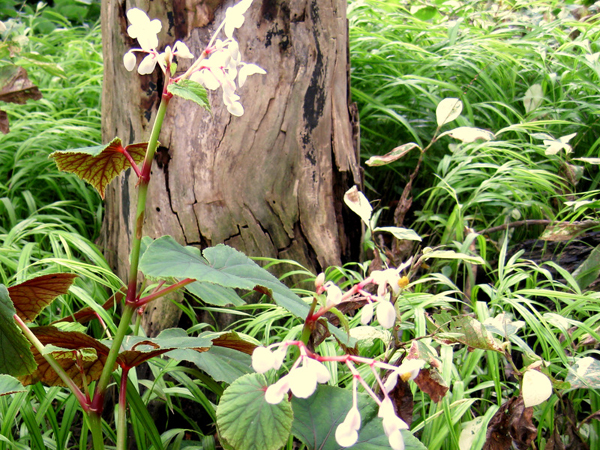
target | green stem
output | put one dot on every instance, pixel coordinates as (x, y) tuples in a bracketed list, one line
[(95, 424), (122, 420), (130, 299)]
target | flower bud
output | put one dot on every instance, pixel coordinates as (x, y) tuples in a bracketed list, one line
[(319, 282), (345, 435), (323, 375), (366, 314), (129, 61), (303, 381), (386, 314), (275, 393)]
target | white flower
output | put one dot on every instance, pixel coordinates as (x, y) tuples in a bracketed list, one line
[(262, 359), (277, 391), (234, 16), (148, 64), (334, 294), (366, 313), (143, 29), (129, 60), (321, 372), (181, 50), (409, 369), (247, 70), (392, 424), (303, 381), (346, 433), (386, 314), (279, 357)]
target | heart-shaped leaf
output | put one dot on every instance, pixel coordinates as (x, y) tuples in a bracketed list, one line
[(139, 349), (98, 165), (10, 385), (317, 417), (223, 266), (190, 90), (15, 357), (247, 422), (76, 343), (32, 296)]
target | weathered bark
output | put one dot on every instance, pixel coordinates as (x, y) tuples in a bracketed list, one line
[(269, 183)]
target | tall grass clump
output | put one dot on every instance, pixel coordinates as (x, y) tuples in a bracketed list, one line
[(69, 75), (406, 58)]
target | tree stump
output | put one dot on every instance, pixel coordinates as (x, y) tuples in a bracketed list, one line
[(269, 183)]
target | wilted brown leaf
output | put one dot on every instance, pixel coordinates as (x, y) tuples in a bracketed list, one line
[(4, 127), (32, 296), (15, 87), (70, 340), (431, 382), (511, 424)]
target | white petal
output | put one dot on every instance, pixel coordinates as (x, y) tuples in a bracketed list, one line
[(129, 60), (147, 65), (537, 388), (334, 294), (182, 50), (345, 436), (386, 314), (247, 70), (262, 359), (279, 357), (366, 313), (410, 367), (353, 418), (396, 440), (391, 381), (323, 375), (206, 78), (303, 382), (236, 109), (277, 391)]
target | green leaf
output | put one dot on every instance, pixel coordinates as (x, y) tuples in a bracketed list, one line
[(589, 270), (222, 364), (223, 266), (100, 164), (400, 233), (214, 294), (220, 265), (247, 422), (585, 374), (317, 417), (190, 90), (10, 385), (16, 358), (451, 254), (466, 330)]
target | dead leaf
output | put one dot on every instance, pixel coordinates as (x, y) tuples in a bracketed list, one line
[(32, 296), (511, 424), (4, 127), (15, 87), (234, 341), (431, 382)]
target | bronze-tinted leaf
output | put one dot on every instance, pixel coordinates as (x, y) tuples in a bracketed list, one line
[(511, 424), (98, 165), (4, 127), (32, 296), (66, 340), (234, 341), (15, 87), (431, 382)]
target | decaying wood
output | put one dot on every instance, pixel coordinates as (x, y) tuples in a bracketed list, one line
[(269, 183)]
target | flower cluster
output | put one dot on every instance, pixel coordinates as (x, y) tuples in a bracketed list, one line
[(308, 370), (219, 65), (388, 282)]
